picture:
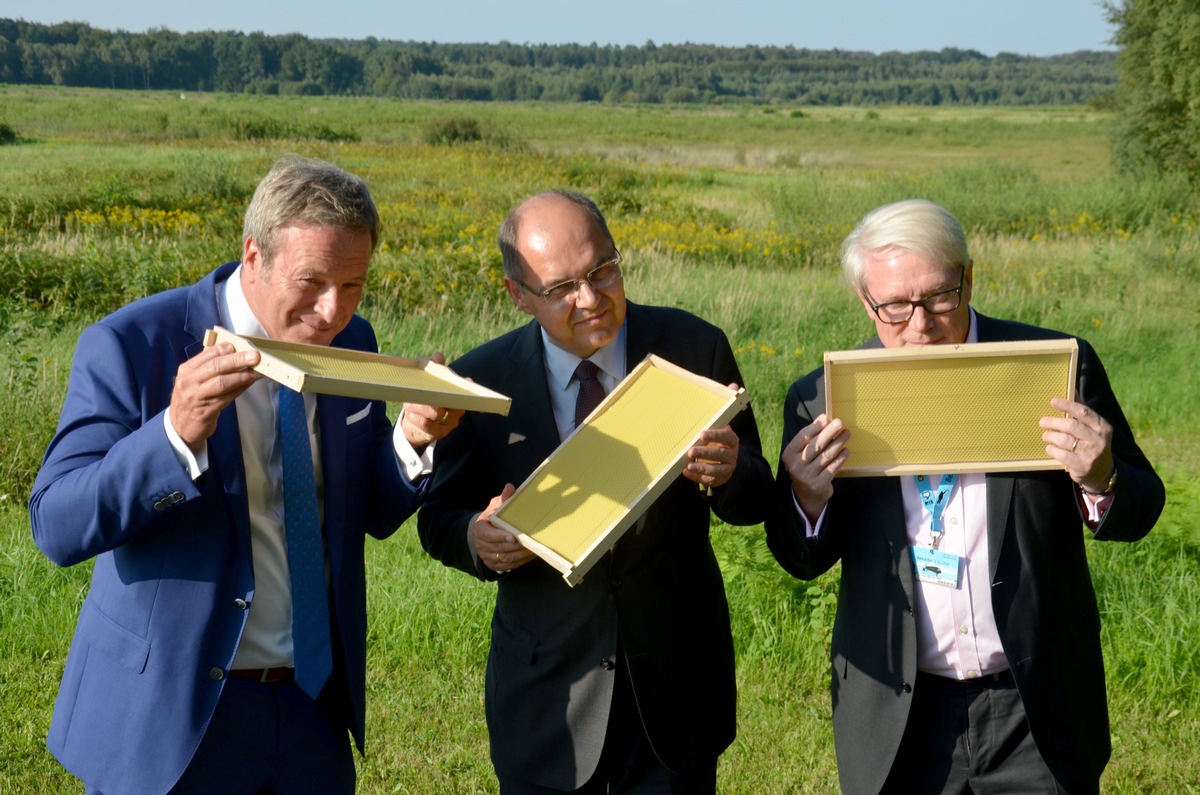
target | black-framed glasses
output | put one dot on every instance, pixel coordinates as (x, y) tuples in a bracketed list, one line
[(938, 303), (606, 274)]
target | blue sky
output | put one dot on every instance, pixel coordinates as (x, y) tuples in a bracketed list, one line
[(1026, 27)]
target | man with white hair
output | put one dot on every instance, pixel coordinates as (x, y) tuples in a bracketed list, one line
[(990, 680)]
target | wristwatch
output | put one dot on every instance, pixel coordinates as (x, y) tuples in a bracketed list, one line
[(1112, 484)]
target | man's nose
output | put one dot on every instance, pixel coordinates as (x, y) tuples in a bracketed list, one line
[(921, 319), (588, 295), (329, 304)]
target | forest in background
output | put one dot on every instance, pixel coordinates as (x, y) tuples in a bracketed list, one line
[(77, 54)]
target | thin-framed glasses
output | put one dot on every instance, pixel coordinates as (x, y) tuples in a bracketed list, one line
[(938, 303), (606, 274)]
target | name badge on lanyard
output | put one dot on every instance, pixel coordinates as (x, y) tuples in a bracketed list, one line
[(930, 563)]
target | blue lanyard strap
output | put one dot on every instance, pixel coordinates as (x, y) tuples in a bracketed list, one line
[(935, 502)]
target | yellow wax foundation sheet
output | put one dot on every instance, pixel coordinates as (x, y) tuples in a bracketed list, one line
[(948, 408), (373, 376), (574, 507)]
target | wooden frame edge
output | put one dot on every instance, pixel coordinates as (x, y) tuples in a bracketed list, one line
[(573, 571), (480, 398)]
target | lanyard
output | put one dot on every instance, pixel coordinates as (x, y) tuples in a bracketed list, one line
[(935, 503)]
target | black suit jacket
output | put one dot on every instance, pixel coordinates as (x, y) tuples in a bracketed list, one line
[(548, 689), (1042, 594)]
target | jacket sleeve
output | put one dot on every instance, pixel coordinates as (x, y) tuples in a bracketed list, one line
[(457, 493), (109, 471), (1139, 494), (746, 498), (799, 556)]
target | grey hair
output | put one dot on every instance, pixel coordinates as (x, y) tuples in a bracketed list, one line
[(514, 263), (302, 192), (916, 225)]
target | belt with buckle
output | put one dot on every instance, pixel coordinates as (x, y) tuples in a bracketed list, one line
[(983, 680), (266, 676)]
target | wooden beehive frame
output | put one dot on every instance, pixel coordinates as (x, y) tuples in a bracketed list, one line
[(373, 376), (574, 507), (948, 408)]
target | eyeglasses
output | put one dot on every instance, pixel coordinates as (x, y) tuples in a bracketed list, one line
[(938, 303), (606, 274)]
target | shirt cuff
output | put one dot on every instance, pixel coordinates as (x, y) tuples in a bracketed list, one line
[(415, 465), (194, 464), (811, 531), (1094, 507)]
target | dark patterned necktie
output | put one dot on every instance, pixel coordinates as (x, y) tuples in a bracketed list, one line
[(591, 391), (306, 553)]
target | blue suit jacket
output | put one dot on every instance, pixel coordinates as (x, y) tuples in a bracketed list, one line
[(173, 576)]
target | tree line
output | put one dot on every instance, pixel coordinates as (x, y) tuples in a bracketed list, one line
[(77, 54)]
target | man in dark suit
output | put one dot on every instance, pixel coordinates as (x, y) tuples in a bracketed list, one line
[(624, 683), (207, 658), (989, 679)]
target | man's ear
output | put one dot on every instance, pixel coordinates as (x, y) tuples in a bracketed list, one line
[(865, 302), (517, 295), (252, 258), (968, 275)]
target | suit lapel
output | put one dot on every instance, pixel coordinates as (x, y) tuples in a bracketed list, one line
[(891, 509), (642, 334), (999, 486), (524, 381), (331, 413), (999, 499), (225, 445)]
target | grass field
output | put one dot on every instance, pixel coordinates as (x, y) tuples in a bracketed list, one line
[(734, 214)]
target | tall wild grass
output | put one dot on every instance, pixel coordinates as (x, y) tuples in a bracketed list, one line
[(733, 214)]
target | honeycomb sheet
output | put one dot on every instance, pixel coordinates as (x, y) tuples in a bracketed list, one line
[(596, 484), (374, 376), (962, 408)]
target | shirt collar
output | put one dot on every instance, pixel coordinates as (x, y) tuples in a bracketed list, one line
[(235, 309), (561, 365)]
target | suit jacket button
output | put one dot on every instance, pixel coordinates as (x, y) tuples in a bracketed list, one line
[(216, 674), (607, 664), (906, 687), (615, 583), (241, 604)]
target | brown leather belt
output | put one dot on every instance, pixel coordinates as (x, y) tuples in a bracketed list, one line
[(266, 675)]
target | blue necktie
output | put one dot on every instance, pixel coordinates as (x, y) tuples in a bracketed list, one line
[(306, 552), (591, 391)]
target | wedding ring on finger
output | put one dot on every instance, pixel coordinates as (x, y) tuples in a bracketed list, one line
[(1074, 444), (442, 419)]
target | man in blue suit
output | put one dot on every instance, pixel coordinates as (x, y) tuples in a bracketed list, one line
[(186, 674)]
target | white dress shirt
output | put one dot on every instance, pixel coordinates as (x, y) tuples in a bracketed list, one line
[(267, 639)]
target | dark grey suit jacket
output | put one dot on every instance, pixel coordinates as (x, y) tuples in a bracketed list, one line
[(548, 693), (1042, 594)]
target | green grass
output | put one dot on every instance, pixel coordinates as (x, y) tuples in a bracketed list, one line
[(733, 214)]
